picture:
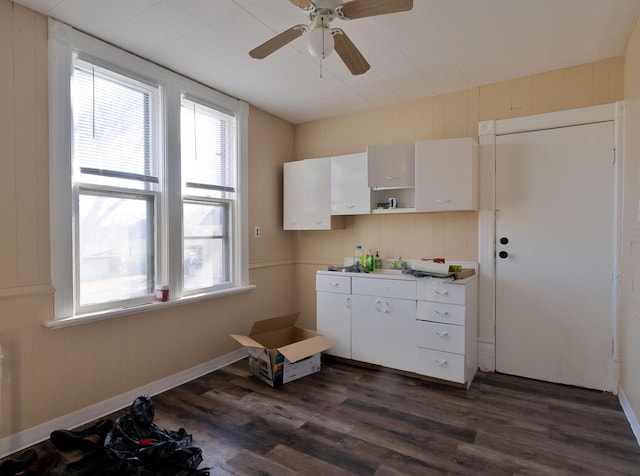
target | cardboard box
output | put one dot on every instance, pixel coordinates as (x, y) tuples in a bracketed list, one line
[(280, 352)]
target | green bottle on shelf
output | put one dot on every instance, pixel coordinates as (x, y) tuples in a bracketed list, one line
[(377, 264), (369, 261)]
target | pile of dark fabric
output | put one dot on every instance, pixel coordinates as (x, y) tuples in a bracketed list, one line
[(137, 446), (133, 446)]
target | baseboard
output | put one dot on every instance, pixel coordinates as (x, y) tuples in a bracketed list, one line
[(631, 416), (487, 356), (18, 441)]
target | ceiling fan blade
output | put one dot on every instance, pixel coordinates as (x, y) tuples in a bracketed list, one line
[(368, 8), (277, 42), (349, 53), (302, 3)]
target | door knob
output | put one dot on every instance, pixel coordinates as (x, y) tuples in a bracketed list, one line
[(503, 254), (504, 240)]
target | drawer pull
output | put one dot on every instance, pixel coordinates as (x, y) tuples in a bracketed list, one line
[(440, 313), (441, 363), (378, 306), (443, 200), (392, 177), (387, 308), (440, 334), (440, 293), (383, 288), (349, 206), (333, 285), (347, 303), (318, 222)]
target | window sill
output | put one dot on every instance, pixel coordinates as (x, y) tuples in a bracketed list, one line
[(100, 316)]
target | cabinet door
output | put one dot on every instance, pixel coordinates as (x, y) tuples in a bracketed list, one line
[(334, 321), (350, 192), (391, 165), (317, 194), (293, 198), (447, 175), (307, 195), (366, 329), (398, 326)]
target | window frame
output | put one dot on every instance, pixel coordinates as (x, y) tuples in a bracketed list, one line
[(64, 42)]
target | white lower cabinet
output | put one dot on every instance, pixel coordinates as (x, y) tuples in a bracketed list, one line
[(383, 322), (334, 312), (426, 326), (447, 330), (381, 327)]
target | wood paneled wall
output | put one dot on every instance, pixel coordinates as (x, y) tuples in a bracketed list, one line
[(24, 168)]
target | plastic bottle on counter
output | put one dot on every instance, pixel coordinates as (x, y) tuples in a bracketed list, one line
[(358, 257), (369, 261), (377, 263)]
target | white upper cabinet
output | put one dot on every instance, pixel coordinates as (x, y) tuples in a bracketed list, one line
[(350, 193), (446, 175), (307, 195), (391, 165)]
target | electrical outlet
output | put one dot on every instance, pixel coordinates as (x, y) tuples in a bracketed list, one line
[(256, 232)]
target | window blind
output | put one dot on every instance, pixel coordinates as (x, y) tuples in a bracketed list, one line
[(113, 124), (207, 155)]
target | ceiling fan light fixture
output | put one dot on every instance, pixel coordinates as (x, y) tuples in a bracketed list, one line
[(320, 41)]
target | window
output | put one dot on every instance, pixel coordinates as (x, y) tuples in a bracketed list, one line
[(148, 179), (208, 189)]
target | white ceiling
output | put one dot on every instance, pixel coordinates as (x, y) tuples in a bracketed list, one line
[(440, 46)]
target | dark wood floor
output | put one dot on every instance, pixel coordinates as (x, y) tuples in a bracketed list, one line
[(352, 420)]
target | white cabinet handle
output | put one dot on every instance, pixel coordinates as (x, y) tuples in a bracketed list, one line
[(378, 306), (440, 334), (387, 308), (440, 313), (443, 200), (347, 303), (441, 363), (293, 222), (392, 177), (350, 206), (318, 222), (333, 285), (440, 293), (383, 288)]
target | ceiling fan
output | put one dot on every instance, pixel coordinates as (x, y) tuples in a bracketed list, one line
[(321, 39)]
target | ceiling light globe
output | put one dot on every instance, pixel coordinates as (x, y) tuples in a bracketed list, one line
[(320, 42)]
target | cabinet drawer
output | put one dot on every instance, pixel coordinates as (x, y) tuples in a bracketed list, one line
[(442, 365), (441, 312), (439, 291), (333, 284), (445, 337), (393, 288)]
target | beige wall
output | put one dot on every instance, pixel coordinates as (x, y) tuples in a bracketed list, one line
[(50, 373), (629, 331), (451, 235)]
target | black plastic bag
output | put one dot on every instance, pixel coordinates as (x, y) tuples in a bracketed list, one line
[(136, 446)]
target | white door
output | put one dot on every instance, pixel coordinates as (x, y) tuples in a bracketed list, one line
[(554, 276)]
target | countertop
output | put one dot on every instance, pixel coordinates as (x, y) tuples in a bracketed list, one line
[(397, 274)]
